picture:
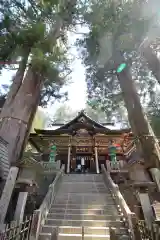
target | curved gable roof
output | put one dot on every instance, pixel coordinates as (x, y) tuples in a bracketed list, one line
[(77, 119), (82, 114)]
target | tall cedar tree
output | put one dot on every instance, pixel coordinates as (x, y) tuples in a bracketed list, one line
[(117, 26), (24, 96)]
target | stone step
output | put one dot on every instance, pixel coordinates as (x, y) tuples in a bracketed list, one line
[(65, 195), (77, 236), (90, 237), (92, 202), (85, 237), (83, 178), (83, 203), (45, 236), (89, 203), (84, 198), (83, 216), (76, 190), (84, 206), (94, 211), (81, 222), (86, 230)]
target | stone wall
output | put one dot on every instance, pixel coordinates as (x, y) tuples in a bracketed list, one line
[(4, 164)]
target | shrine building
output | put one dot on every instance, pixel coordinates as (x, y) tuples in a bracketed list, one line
[(83, 137)]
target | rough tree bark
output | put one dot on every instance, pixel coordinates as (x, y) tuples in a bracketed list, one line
[(30, 121), (153, 62), (14, 124), (139, 123), (18, 113), (16, 82)]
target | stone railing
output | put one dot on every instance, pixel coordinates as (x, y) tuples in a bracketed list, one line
[(40, 214), (4, 164), (129, 216), (49, 167), (30, 155), (120, 165)]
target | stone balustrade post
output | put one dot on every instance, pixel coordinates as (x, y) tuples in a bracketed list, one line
[(69, 159), (96, 160), (20, 208), (7, 192)]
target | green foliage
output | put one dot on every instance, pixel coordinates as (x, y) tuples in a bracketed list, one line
[(65, 114), (114, 27), (34, 27)]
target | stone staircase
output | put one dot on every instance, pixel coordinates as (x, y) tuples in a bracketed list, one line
[(156, 207), (83, 209)]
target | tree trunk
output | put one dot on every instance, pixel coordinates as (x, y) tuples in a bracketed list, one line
[(153, 62), (139, 123), (16, 83), (17, 115), (34, 111), (14, 126)]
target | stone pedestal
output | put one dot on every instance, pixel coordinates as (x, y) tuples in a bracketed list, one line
[(21, 204), (142, 189), (155, 172), (138, 173), (7, 193)]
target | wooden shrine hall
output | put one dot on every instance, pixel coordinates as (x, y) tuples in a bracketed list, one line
[(82, 137)]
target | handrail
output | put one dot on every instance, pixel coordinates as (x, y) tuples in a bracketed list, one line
[(120, 201), (40, 214)]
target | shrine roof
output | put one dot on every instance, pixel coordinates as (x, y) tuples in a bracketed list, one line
[(80, 121), (60, 134)]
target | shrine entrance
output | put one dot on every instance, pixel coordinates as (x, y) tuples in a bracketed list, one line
[(82, 159), (89, 163), (87, 159)]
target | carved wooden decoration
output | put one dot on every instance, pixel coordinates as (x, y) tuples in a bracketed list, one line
[(83, 149), (82, 120), (105, 140), (62, 150), (101, 141), (82, 141), (82, 132), (60, 141), (44, 142), (102, 150)]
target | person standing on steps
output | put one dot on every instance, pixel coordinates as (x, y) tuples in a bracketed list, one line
[(82, 165)]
